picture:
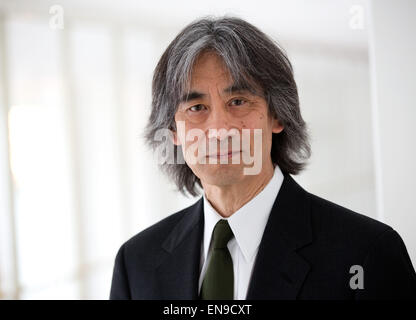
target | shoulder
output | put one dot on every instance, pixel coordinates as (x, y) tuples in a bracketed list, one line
[(343, 238), (328, 219), (340, 216), (151, 239), (333, 222)]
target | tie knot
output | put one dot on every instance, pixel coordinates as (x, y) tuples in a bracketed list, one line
[(221, 235)]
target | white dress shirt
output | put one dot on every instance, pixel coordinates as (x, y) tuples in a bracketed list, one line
[(248, 224)]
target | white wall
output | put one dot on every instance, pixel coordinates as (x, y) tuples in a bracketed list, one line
[(393, 76), (335, 103)]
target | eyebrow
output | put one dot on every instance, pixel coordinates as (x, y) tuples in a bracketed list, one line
[(234, 88)]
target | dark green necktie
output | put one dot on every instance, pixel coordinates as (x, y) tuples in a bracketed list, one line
[(218, 283)]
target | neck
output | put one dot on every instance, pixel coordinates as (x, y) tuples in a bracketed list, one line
[(229, 198)]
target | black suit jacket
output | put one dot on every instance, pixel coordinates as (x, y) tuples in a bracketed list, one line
[(308, 247)]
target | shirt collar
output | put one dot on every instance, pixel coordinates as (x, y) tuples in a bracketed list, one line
[(248, 222)]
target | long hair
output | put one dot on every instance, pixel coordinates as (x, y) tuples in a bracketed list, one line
[(251, 57)]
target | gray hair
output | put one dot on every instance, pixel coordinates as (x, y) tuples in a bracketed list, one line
[(253, 59)]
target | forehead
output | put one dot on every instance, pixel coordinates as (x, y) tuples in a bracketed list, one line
[(209, 67)]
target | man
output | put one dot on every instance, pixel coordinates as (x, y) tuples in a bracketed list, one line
[(226, 94)]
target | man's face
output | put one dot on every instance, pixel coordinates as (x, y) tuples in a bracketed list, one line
[(211, 106)]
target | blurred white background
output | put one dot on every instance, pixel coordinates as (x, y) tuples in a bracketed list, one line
[(76, 180)]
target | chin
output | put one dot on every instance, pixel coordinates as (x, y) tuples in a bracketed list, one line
[(219, 174)]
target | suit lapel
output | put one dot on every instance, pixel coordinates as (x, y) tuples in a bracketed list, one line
[(178, 269), (279, 271)]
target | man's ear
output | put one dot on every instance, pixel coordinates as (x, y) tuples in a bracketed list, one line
[(276, 126)]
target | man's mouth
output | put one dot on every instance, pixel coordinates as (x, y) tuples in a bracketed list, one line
[(223, 154)]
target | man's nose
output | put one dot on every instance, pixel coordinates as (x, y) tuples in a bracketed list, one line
[(220, 124)]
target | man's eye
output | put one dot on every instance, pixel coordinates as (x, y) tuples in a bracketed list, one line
[(239, 102), (196, 108)]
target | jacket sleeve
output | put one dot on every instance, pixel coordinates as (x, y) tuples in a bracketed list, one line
[(120, 286), (388, 270)]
